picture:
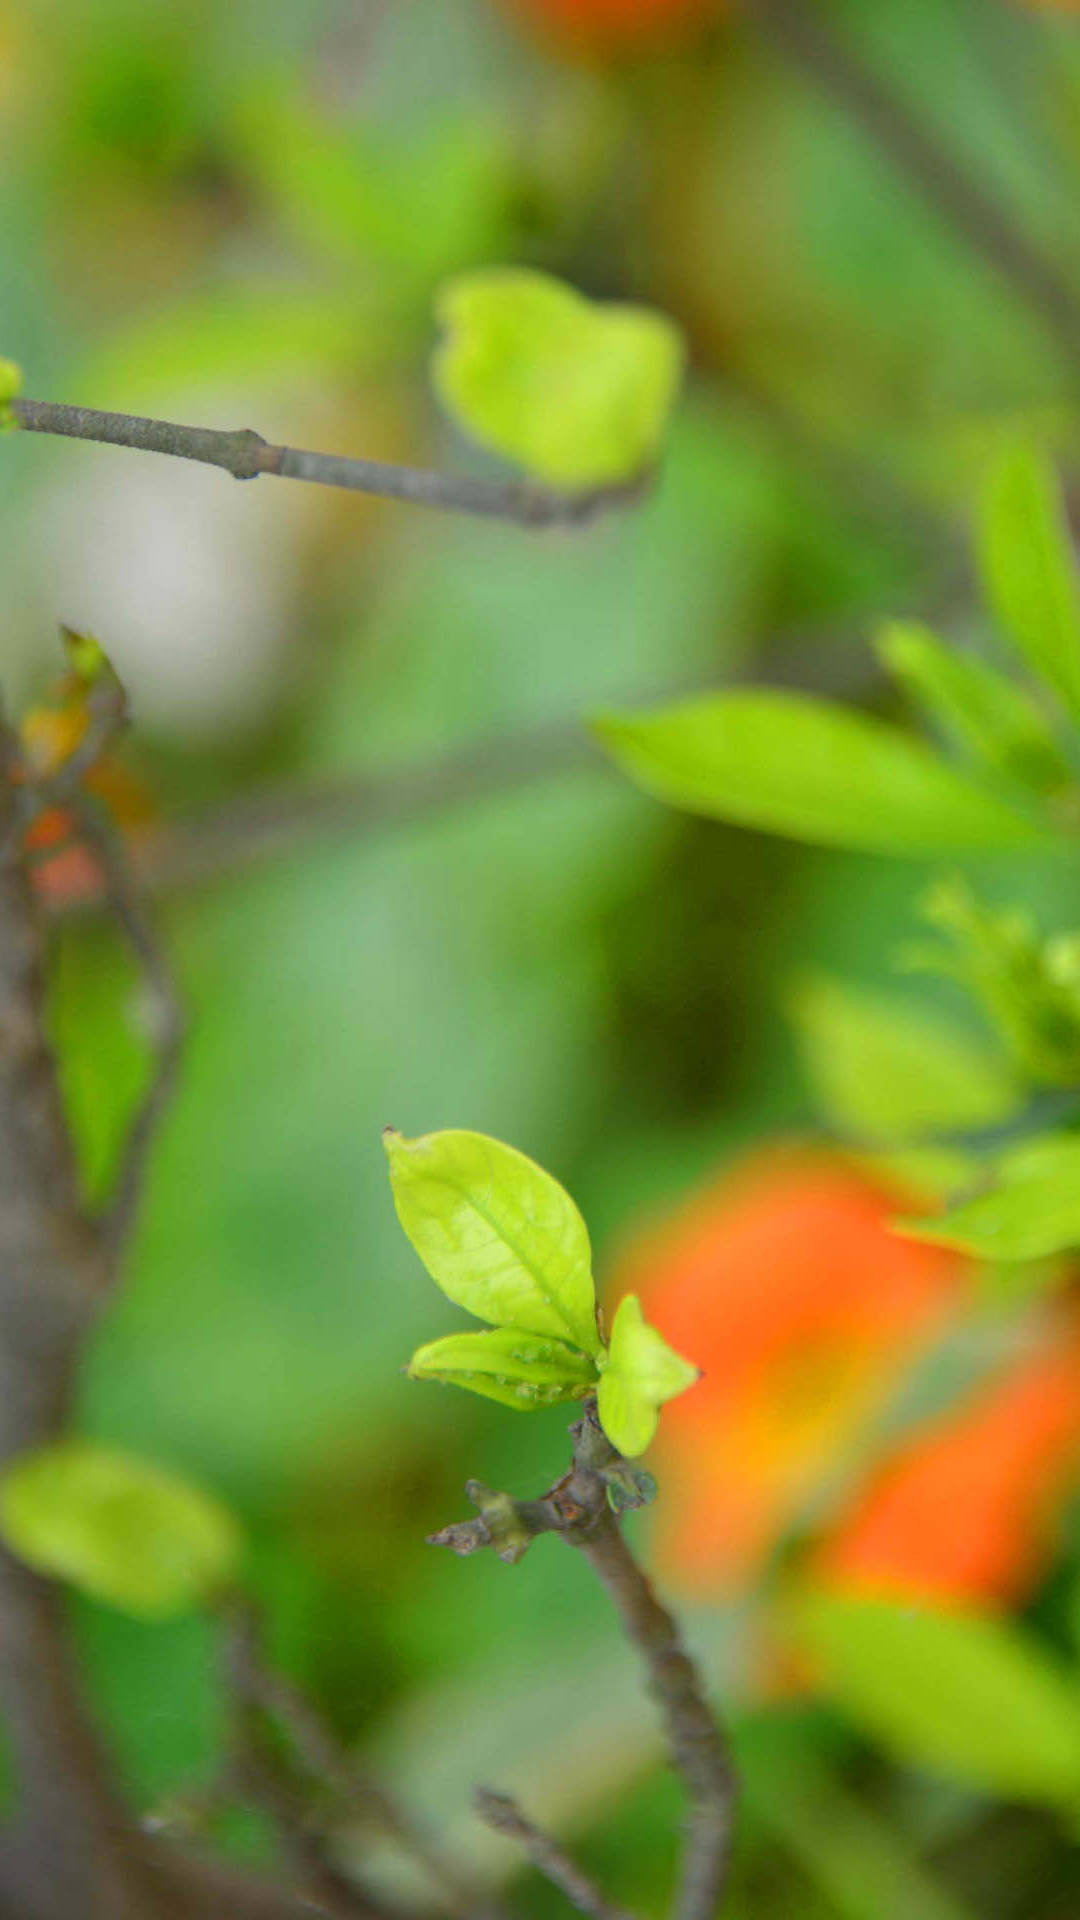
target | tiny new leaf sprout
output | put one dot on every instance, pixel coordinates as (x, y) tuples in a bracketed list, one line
[(577, 393), (1027, 983), (504, 1240), (10, 389), (118, 1527)]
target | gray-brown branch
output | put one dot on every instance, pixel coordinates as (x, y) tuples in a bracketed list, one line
[(579, 1509), (504, 1816), (356, 1796), (245, 454), (70, 1847)]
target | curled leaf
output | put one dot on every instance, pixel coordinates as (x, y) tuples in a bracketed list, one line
[(641, 1373), (521, 1370), (577, 393)]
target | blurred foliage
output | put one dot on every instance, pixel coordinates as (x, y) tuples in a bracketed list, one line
[(240, 216)]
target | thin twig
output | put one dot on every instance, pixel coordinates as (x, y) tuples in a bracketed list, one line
[(579, 1509), (258, 827), (698, 1750), (504, 1816), (276, 820), (940, 175), (328, 1763), (164, 1018), (261, 1776), (1005, 40), (246, 455)]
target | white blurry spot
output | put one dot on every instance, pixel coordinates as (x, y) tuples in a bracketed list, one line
[(189, 578)]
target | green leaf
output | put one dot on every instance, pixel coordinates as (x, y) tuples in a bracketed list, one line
[(641, 1372), (967, 1696), (1032, 1209), (496, 1233), (986, 715), (1029, 570), (885, 1070), (118, 1528), (576, 393), (518, 1369), (10, 389), (793, 765)]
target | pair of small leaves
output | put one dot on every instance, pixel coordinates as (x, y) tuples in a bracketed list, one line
[(504, 1240), (790, 764), (119, 1528)]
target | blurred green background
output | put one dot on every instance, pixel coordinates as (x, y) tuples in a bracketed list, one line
[(239, 216)]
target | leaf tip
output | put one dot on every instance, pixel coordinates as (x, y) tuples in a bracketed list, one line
[(10, 389)]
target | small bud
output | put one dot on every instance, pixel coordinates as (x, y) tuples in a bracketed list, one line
[(628, 1487), (510, 1537), (86, 656)]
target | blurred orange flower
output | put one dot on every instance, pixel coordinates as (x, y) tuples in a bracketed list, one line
[(786, 1284), (966, 1510)]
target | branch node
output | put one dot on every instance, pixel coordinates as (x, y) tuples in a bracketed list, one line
[(247, 461)]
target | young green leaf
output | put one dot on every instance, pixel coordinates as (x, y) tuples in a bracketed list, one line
[(10, 389), (1032, 1209), (990, 718), (496, 1233), (1029, 570), (118, 1528), (641, 1373), (793, 765), (885, 1070), (578, 394), (519, 1369), (970, 1697)]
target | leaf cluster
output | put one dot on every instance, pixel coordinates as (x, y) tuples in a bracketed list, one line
[(504, 1240)]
